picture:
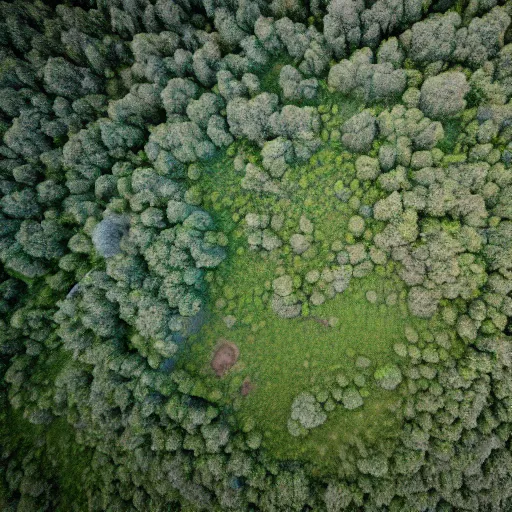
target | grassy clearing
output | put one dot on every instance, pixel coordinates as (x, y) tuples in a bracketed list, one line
[(284, 357)]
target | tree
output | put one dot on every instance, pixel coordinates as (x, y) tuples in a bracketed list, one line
[(277, 154), (201, 110), (294, 86), (177, 94), (107, 235), (351, 398), (443, 95), (142, 104), (359, 132), (422, 302), (434, 39), (229, 31), (64, 79), (250, 118), (388, 377)]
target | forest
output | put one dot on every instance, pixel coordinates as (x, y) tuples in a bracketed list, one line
[(256, 255)]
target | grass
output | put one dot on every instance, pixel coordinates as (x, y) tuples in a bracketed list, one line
[(70, 462), (284, 357)]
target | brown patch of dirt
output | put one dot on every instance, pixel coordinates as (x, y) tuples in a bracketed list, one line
[(225, 356), (321, 321), (247, 387)]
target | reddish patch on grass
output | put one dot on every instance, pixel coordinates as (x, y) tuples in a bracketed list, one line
[(247, 387), (321, 321), (225, 356)]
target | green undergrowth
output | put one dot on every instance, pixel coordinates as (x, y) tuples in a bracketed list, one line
[(452, 130), (283, 357), (63, 459), (309, 190), (269, 75)]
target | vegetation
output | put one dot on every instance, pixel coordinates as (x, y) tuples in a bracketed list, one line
[(282, 357), (255, 255)]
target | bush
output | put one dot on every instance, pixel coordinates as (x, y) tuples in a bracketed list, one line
[(307, 411)]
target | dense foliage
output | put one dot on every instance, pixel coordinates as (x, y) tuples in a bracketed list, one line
[(322, 187)]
